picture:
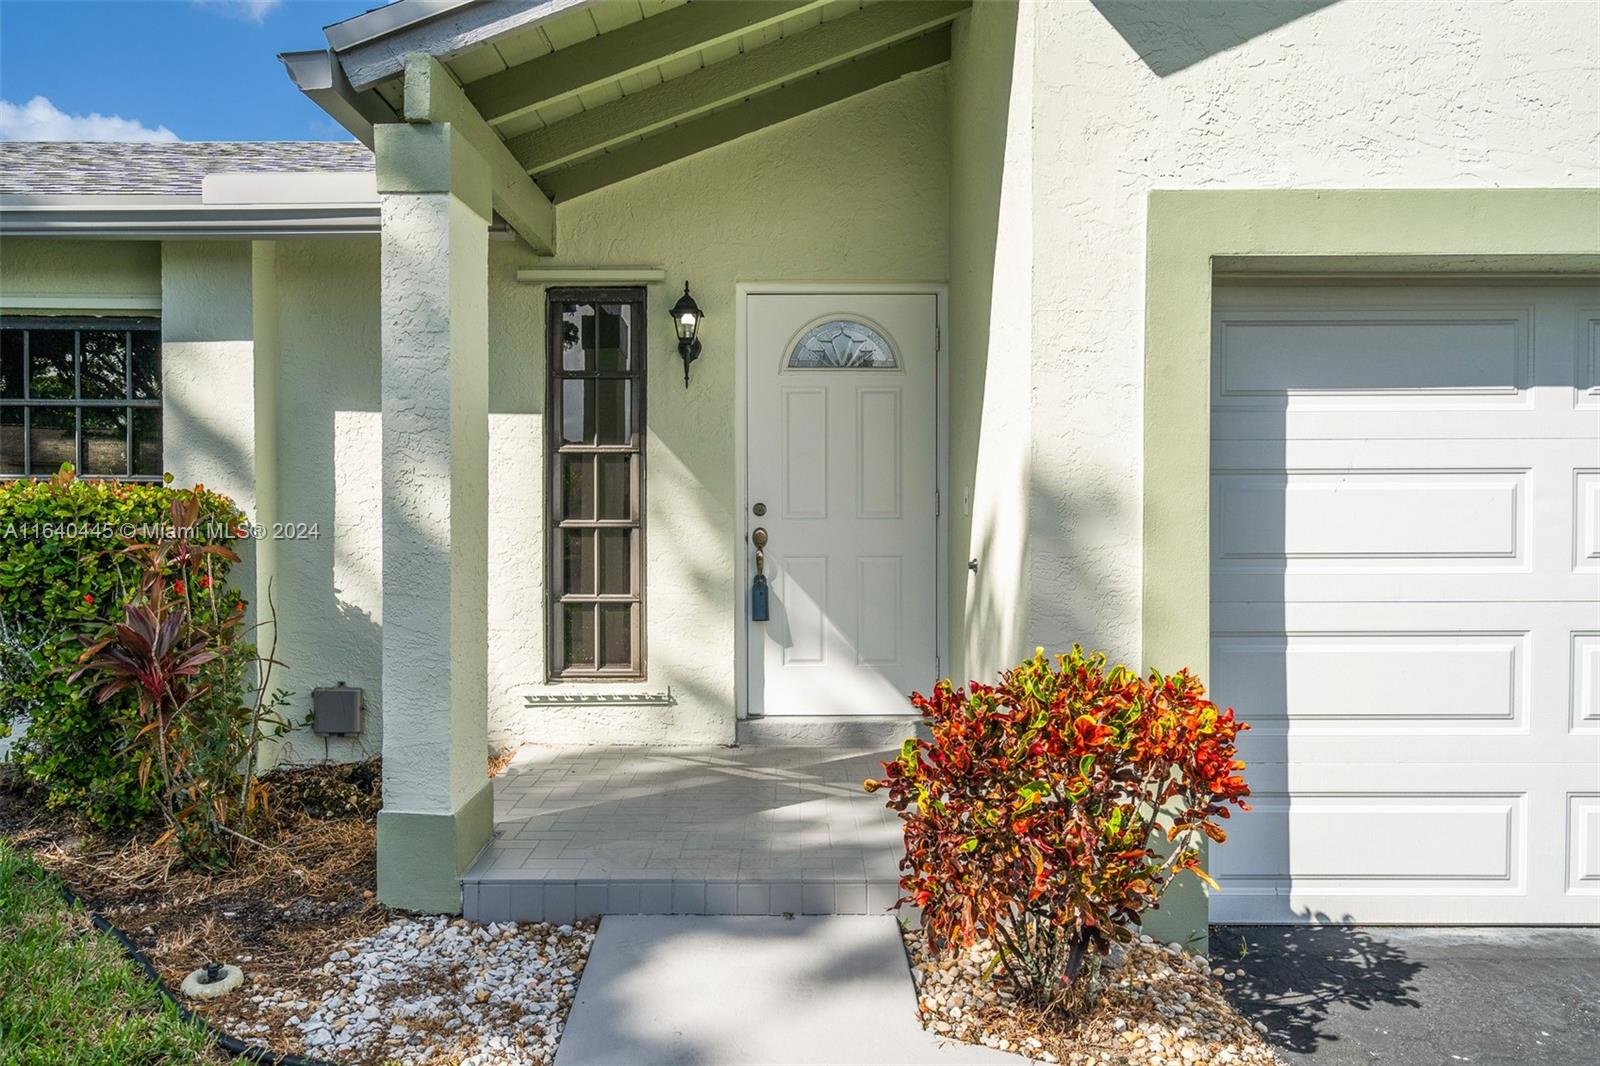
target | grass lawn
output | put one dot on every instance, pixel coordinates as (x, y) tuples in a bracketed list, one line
[(67, 995)]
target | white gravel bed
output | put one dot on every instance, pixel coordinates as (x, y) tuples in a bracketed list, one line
[(428, 990), (1153, 1006)]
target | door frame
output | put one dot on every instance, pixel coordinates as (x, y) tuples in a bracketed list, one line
[(741, 382)]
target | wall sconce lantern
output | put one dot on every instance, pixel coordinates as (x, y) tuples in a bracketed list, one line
[(686, 316)]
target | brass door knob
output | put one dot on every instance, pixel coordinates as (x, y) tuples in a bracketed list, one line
[(758, 537)]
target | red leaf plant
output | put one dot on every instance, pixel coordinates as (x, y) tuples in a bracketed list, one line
[(1050, 811), (202, 699)]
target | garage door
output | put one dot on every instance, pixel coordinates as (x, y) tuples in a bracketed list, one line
[(1405, 600)]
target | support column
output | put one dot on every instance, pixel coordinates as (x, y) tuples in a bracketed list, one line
[(437, 804)]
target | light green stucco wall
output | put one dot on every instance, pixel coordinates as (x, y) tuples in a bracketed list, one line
[(855, 191), (329, 587), (991, 335), (766, 207), (211, 425), (79, 276)]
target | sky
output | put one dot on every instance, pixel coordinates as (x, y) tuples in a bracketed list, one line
[(162, 70)]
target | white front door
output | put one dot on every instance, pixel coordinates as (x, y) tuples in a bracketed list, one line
[(842, 461), (1405, 601)]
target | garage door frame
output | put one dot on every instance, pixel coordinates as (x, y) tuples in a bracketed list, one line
[(1193, 235)]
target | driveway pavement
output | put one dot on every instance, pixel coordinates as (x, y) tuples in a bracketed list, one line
[(1420, 997)]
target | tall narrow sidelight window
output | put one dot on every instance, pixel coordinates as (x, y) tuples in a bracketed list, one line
[(85, 391), (595, 348)]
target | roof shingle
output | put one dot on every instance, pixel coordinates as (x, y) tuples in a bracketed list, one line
[(66, 168)]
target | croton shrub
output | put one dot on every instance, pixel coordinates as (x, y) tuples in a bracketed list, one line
[(1050, 811), (66, 571)]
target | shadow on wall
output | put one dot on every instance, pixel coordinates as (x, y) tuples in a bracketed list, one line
[(1170, 36), (984, 614), (1295, 976)]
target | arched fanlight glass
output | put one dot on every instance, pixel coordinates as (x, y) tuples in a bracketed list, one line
[(842, 344)]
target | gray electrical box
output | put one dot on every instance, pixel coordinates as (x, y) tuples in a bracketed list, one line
[(336, 711)]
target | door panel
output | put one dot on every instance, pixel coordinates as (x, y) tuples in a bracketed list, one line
[(842, 450)]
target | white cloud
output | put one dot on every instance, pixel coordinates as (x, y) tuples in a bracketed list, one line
[(40, 120), (249, 10)]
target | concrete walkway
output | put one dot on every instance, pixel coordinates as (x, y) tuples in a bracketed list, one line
[(752, 991), (1352, 996)]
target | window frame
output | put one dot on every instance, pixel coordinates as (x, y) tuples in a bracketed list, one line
[(555, 447), (79, 324)]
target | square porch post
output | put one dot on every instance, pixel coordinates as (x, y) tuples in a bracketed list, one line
[(438, 809)]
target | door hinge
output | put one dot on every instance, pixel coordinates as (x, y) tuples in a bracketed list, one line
[(938, 670), (938, 338), (936, 503)]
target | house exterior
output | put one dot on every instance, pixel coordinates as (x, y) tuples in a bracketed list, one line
[(1262, 339)]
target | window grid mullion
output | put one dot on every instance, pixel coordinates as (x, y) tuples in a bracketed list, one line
[(27, 414), (127, 412), (126, 404), (598, 665)]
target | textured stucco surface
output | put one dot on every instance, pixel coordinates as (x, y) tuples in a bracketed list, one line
[(747, 211), (329, 587), (208, 375), (856, 191), (434, 299), (76, 271), (991, 328), (1137, 96)]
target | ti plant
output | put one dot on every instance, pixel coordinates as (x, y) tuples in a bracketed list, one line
[(201, 689), (1051, 810)]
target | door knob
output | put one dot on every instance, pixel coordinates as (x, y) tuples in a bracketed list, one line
[(758, 537)]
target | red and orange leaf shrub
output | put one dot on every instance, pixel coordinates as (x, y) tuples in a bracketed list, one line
[(1051, 810)]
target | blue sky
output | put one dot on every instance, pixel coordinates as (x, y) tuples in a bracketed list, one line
[(194, 70)]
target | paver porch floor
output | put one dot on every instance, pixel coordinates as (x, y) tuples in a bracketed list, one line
[(747, 830)]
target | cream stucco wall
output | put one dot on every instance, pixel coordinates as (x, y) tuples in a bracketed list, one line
[(1135, 96)]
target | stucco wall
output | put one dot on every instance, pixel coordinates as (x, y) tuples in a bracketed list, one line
[(769, 206), (329, 587), (856, 191), (120, 277), (1135, 96), (991, 333)]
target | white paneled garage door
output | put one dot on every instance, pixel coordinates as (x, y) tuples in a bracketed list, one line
[(1405, 600)]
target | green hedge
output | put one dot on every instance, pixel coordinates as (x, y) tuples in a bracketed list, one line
[(62, 573)]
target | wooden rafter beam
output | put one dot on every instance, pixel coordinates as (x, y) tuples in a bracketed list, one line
[(432, 95), (628, 50), (808, 94), (720, 84)]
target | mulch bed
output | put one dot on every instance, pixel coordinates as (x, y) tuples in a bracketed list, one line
[(280, 912), (1153, 1005), (275, 911)]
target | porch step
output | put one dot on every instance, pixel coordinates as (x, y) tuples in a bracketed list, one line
[(829, 731), (530, 899), (765, 829)]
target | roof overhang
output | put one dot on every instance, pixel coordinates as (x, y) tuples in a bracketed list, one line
[(229, 205), (564, 97)]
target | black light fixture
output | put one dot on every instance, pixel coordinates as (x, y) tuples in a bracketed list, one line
[(686, 316)]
